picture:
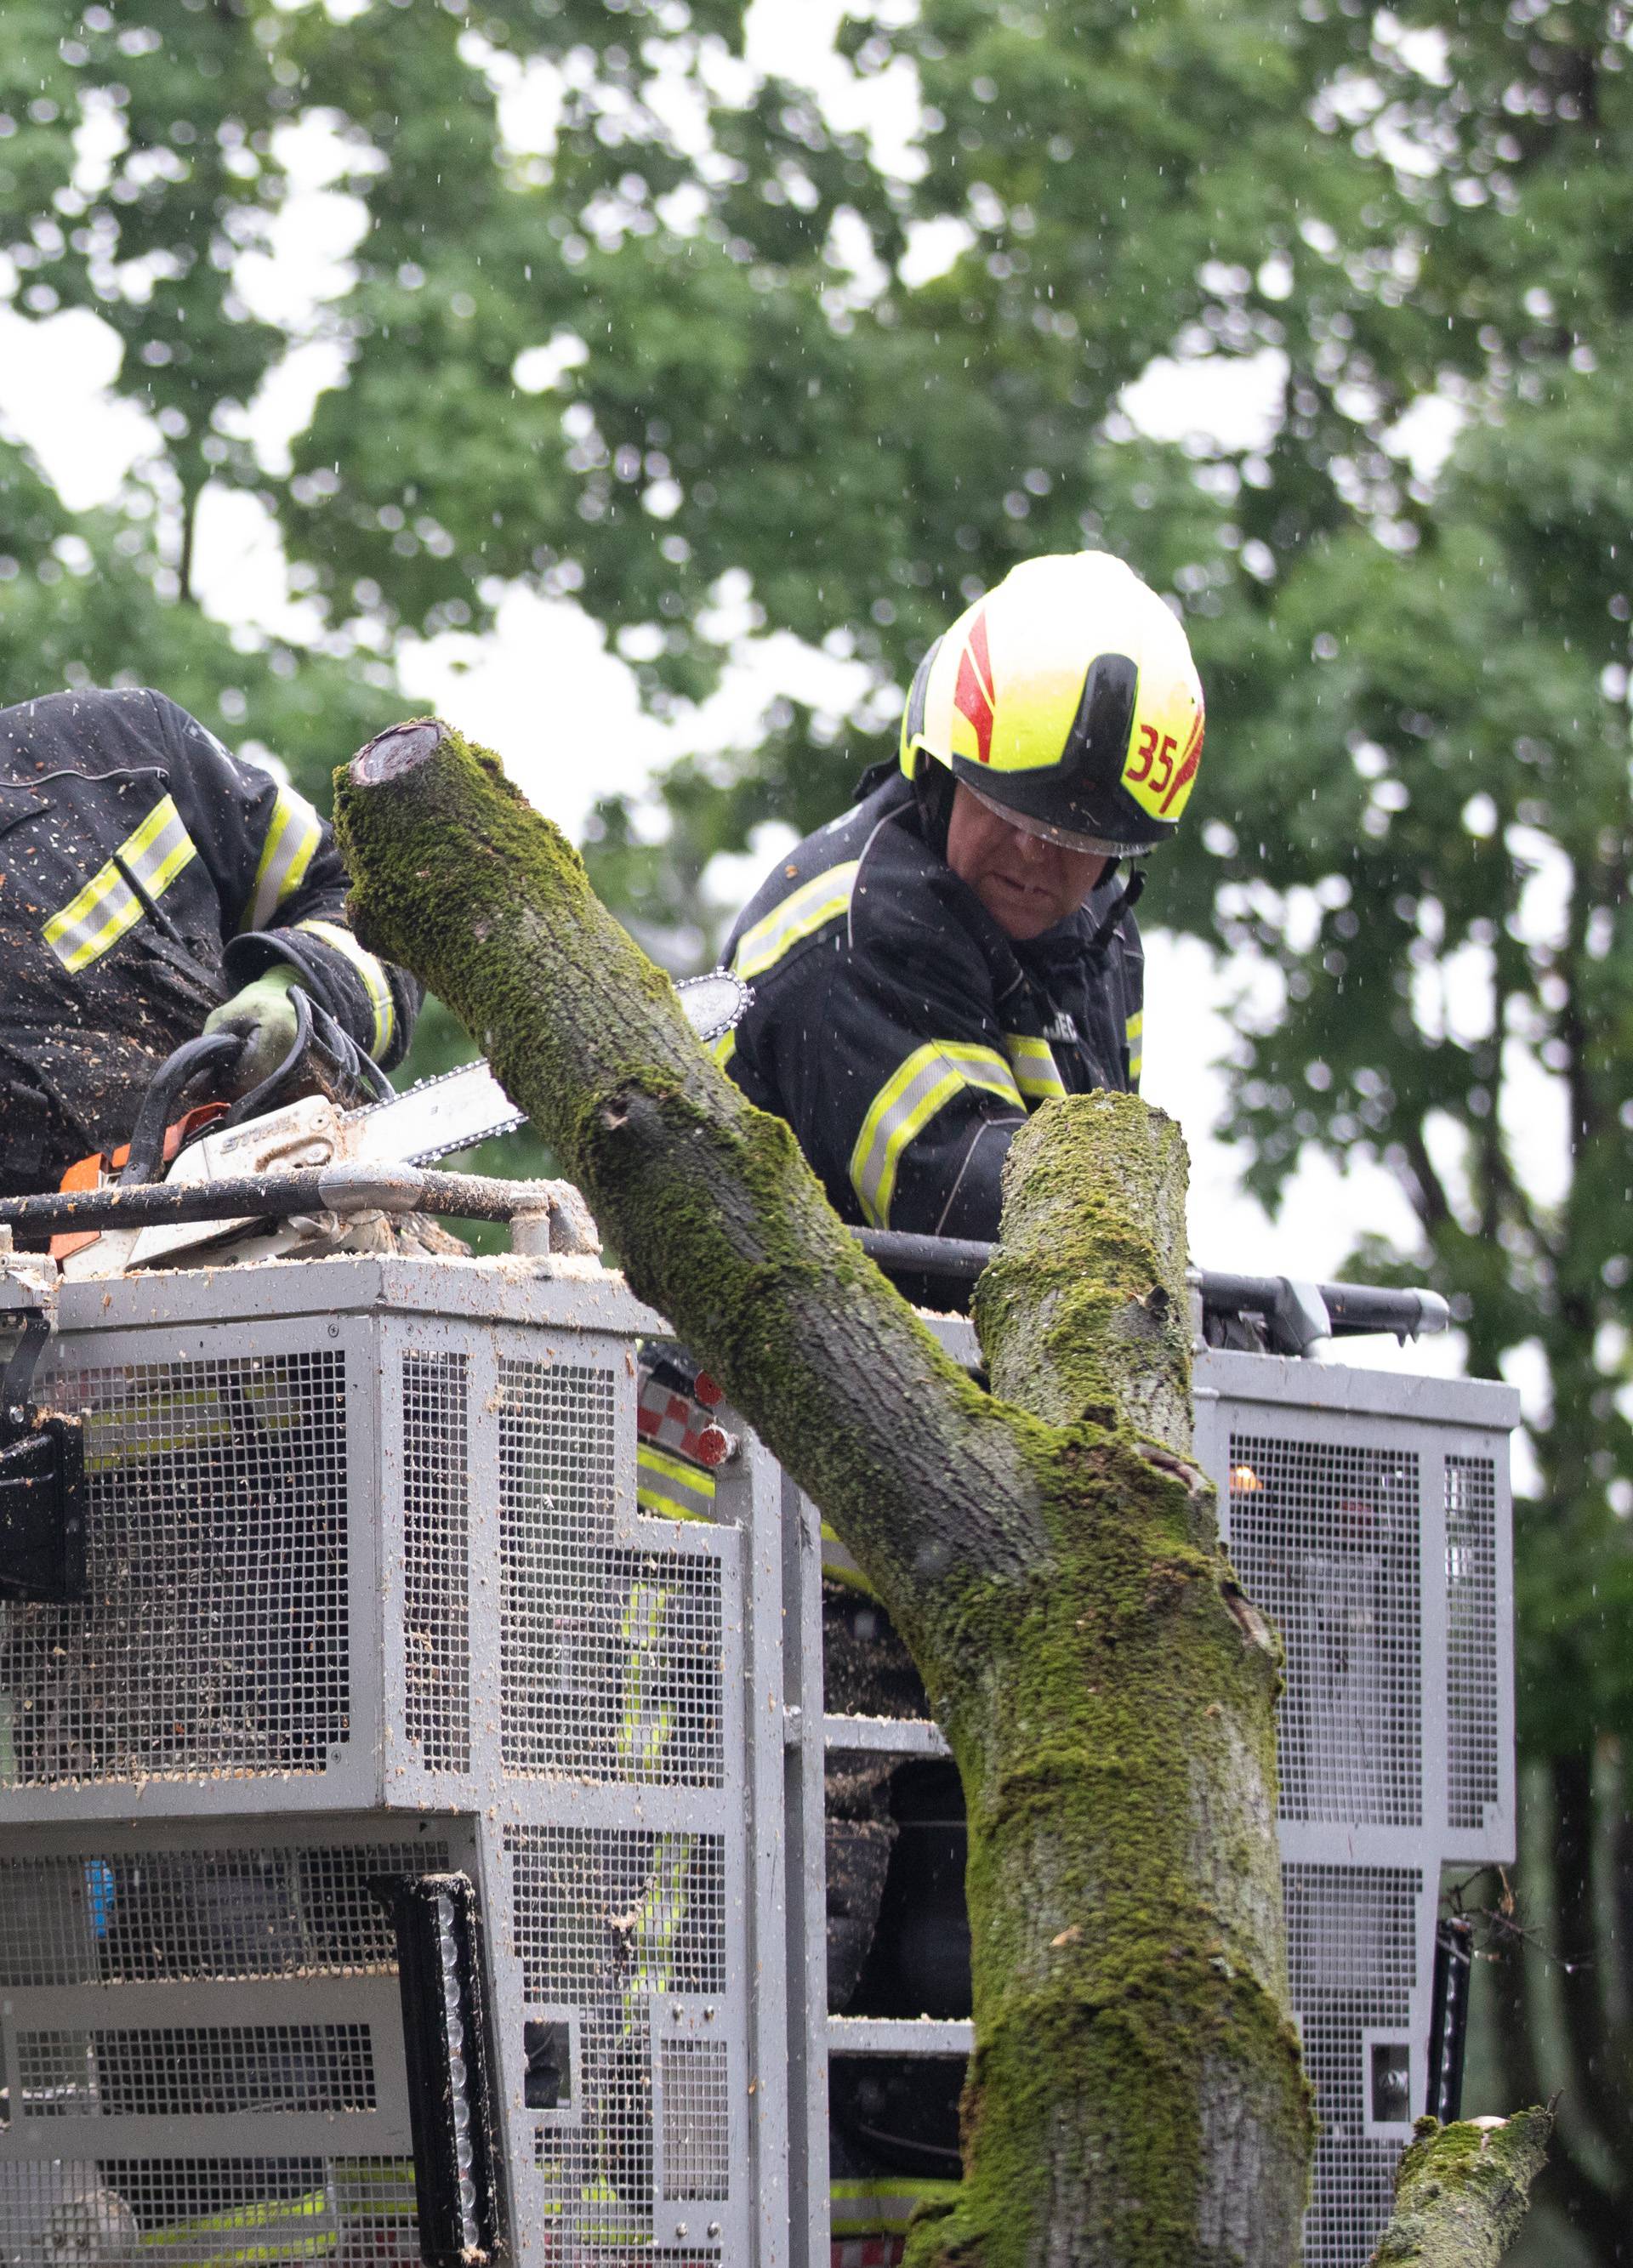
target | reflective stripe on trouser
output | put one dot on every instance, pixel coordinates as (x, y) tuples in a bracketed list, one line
[(883, 2206), (1136, 1045), (660, 1911), (107, 906), (646, 1723), (299, 2228), (1036, 1073), (672, 1487), (375, 982), (801, 915), (904, 1106), (294, 835)]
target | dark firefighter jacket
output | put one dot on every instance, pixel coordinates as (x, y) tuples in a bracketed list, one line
[(902, 1035), (146, 875)]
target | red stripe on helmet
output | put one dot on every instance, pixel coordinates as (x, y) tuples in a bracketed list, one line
[(972, 696)]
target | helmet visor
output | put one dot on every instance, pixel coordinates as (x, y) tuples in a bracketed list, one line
[(1068, 837)]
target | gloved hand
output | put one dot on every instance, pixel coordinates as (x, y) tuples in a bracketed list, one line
[(265, 1015)]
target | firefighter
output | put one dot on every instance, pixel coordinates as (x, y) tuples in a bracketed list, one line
[(961, 944), (927, 968), (151, 885)]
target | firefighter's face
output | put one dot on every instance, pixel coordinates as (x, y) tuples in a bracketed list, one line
[(1025, 884)]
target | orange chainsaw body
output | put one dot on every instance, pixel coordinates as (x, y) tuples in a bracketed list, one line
[(92, 1173)]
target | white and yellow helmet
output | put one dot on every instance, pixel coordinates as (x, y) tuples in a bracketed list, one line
[(1068, 698)]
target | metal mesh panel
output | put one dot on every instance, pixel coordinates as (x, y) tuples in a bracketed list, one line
[(348, 2213), (1352, 1959), (1471, 1640), (163, 1917), (195, 2071), (216, 1634), (610, 1659), (436, 1559), (603, 1921), (696, 2118), (1326, 1542)]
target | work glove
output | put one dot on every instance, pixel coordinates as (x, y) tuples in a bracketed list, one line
[(264, 1014)]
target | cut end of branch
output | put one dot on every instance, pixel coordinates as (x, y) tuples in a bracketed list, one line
[(398, 750)]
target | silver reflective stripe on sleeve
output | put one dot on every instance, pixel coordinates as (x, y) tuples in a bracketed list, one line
[(376, 983), (294, 833), (1136, 1046), (905, 1105), (107, 906), (1036, 1073), (801, 915)]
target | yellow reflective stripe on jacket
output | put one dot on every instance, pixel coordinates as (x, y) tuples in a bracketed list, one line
[(376, 983), (107, 906), (883, 2206), (905, 1105), (801, 915), (294, 837), (672, 1487), (1036, 1073), (1136, 1045), (725, 1048)]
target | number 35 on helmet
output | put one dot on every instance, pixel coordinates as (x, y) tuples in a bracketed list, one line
[(1068, 699)]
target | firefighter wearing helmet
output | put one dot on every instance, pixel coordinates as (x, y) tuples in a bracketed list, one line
[(927, 968), (960, 945)]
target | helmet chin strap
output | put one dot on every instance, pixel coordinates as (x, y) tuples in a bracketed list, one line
[(934, 788), (1123, 902)]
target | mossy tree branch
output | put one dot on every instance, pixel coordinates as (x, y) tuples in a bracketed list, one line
[(1135, 2099), (1462, 2190)]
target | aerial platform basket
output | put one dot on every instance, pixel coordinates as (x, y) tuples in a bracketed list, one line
[(370, 1599)]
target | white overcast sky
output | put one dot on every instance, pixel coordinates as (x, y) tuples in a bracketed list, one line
[(54, 376)]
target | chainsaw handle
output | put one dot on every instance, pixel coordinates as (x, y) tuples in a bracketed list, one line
[(249, 1105), (317, 1032), (210, 1051)]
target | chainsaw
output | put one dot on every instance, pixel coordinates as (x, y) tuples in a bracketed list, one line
[(219, 1142)]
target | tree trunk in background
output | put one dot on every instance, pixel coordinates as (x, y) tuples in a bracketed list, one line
[(1135, 2098), (1575, 2018)]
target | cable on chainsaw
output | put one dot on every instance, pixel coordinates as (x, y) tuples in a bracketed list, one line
[(210, 1051), (351, 1058)]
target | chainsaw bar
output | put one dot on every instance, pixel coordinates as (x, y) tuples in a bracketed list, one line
[(459, 1109)]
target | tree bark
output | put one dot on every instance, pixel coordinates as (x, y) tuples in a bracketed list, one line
[(1135, 2097), (1461, 2191)]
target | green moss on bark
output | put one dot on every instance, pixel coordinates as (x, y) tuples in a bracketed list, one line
[(1462, 2191), (1124, 1893), (1084, 1310)]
